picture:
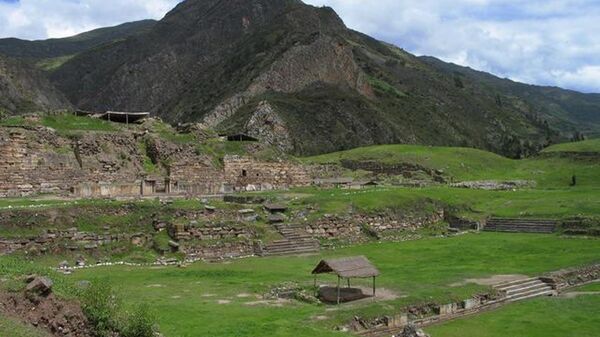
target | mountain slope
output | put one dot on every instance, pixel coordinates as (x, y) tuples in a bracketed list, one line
[(568, 110), (51, 48), (24, 89), (293, 75)]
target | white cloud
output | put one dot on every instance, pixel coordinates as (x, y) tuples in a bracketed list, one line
[(40, 19), (546, 42)]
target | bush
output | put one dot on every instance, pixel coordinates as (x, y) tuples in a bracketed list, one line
[(103, 310), (100, 306), (140, 323)]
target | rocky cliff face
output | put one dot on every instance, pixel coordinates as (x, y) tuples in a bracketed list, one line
[(24, 90)]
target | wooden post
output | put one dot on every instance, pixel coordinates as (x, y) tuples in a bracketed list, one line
[(348, 282), (373, 286), (126, 118), (338, 291), (316, 291)]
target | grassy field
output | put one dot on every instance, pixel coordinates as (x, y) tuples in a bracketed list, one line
[(555, 203), (472, 164), (543, 317), (221, 299)]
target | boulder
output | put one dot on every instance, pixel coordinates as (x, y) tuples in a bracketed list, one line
[(40, 286)]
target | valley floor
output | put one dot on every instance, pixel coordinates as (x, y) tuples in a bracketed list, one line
[(224, 299)]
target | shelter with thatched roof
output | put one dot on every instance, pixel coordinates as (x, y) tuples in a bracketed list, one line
[(347, 268)]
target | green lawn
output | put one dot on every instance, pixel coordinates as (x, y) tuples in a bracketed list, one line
[(187, 300), (543, 317)]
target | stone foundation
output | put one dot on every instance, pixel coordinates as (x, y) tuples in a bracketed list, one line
[(573, 277), (247, 174), (39, 161)]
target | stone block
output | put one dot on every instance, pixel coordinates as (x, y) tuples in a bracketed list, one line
[(40, 286)]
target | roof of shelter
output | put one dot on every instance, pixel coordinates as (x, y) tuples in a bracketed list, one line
[(349, 267)]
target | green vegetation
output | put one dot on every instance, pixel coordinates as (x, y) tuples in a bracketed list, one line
[(591, 145), (12, 328), (471, 164), (544, 317), (590, 287), (218, 149), (68, 123), (167, 132), (219, 299), (522, 203), (64, 123), (51, 64), (103, 309), (383, 87)]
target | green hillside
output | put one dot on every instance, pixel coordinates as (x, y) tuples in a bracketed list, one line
[(591, 145), (463, 164), (56, 48)]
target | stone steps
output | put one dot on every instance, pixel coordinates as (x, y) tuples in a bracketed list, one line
[(520, 225), (524, 289), (296, 241)]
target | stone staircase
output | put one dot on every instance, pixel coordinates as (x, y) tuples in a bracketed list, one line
[(524, 289), (295, 241), (520, 225)]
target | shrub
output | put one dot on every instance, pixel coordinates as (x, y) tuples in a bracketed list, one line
[(140, 323), (100, 306)]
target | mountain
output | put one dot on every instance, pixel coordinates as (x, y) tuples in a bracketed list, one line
[(52, 52), (24, 89), (566, 109), (50, 48), (296, 77)]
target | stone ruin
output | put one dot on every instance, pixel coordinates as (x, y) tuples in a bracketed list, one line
[(37, 160)]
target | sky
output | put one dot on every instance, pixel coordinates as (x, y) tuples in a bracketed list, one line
[(544, 42)]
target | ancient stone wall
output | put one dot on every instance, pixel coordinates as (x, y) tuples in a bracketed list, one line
[(196, 178), (218, 251), (568, 278), (247, 174), (25, 168), (57, 241), (350, 228), (39, 162)]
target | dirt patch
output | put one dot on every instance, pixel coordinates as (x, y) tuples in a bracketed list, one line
[(490, 281), (58, 317), (223, 301), (280, 302), (364, 294), (573, 294), (243, 295)]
